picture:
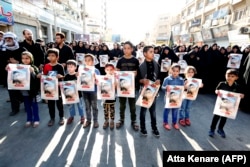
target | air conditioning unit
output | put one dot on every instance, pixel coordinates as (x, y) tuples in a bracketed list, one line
[(227, 19), (215, 22), (244, 30)]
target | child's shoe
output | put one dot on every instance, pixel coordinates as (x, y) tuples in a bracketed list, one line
[(156, 133), (96, 124), (176, 126), (86, 124), (112, 125), (222, 133), (144, 132), (106, 124), (82, 120), (187, 121), (36, 124), (166, 126), (70, 120), (51, 122), (27, 124), (182, 122), (211, 133), (61, 121)]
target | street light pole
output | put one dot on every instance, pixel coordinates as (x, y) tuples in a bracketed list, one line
[(55, 16)]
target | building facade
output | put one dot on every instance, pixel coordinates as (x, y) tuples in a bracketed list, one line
[(225, 22)]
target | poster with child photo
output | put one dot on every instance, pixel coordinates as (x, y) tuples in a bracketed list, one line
[(86, 78), (156, 57), (18, 77), (125, 84), (80, 58), (174, 96), (227, 104), (140, 56), (180, 55), (49, 87), (165, 65), (114, 62), (104, 59), (105, 87), (148, 95), (183, 65), (234, 61), (69, 92), (193, 85)]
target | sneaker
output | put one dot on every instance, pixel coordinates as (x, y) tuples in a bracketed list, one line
[(27, 124), (70, 120), (211, 133), (144, 132), (222, 133), (36, 124), (176, 126), (166, 126), (61, 121), (51, 122), (187, 121), (182, 122), (82, 120), (156, 133)]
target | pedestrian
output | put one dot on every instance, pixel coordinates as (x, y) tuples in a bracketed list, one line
[(127, 63), (148, 71), (186, 104), (176, 80), (30, 102), (109, 105), (56, 68), (90, 98), (72, 76), (229, 85)]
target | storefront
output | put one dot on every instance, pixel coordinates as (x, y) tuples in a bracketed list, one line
[(207, 36), (6, 16), (220, 35)]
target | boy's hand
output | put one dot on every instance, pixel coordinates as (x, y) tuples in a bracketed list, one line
[(39, 75), (7, 67), (157, 82), (168, 88), (218, 93), (201, 86), (59, 76), (145, 81), (242, 96)]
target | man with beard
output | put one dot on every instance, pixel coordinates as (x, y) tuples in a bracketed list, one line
[(65, 52), (29, 45), (12, 54)]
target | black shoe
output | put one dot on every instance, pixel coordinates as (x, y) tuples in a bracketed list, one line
[(156, 133), (13, 113), (144, 132), (222, 133)]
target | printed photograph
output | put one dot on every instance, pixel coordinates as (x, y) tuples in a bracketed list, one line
[(165, 65), (80, 58), (183, 65), (103, 60), (234, 61)]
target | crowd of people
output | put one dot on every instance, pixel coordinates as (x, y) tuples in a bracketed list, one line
[(208, 63)]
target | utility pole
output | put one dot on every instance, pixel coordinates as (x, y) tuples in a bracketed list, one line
[(83, 17)]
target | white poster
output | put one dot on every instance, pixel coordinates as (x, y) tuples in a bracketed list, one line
[(193, 86), (180, 55), (86, 78), (80, 58), (234, 61), (148, 95), (114, 62), (69, 92), (174, 96), (156, 57), (104, 59), (105, 87), (165, 65), (125, 84), (140, 56), (96, 60), (227, 104), (18, 77), (183, 65), (49, 87)]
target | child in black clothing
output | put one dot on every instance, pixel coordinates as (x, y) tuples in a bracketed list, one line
[(229, 85)]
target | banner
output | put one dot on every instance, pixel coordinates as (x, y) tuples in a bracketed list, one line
[(234, 61), (193, 86), (6, 13), (165, 65), (125, 84), (180, 55), (105, 87), (18, 77), (80, 58), (69, 92), (156, 57), (174, 96), (148, 95), (86, 78), (49, 87), (183, 65), (104, 59), (227, 104)]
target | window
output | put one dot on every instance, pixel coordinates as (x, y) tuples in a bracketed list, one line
[(240, 14), (191, 10), (200, 5)]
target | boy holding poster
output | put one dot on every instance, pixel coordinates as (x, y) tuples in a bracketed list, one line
[(54, 67), (149, 70), (90, 97), (231, 86), (71, 76), (127, 63), (175, 80), (191, 91)]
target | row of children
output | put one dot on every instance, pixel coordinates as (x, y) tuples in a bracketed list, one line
[(148, 71)]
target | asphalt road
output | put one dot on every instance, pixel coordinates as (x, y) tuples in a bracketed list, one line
[(71, 145)]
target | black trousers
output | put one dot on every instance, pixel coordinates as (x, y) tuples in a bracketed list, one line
[(215, 121), (52, 110), (15, 99)]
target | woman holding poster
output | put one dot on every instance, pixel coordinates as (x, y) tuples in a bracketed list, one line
[(231, 86)]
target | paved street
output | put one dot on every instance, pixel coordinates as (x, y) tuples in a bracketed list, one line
[(71, 145)]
